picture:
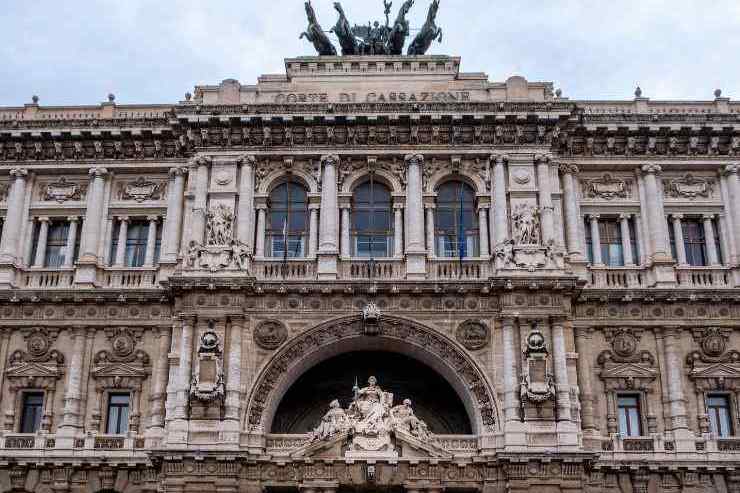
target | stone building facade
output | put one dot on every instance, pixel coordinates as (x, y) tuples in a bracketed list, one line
[(544, 289)]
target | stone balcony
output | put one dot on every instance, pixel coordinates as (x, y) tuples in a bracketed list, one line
[(710, 277)]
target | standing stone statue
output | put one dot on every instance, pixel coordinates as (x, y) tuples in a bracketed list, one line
[(316, 35), (429, 32)]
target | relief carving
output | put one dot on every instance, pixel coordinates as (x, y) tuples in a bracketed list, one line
[(608, 188), (63, 190), (688, 187), (141, 190), (208, 378), (270, 334), (473, 334)]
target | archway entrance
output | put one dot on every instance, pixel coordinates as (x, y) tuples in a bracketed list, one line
[(433, 399)]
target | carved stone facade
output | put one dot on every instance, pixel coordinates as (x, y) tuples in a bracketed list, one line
[(548, 301)]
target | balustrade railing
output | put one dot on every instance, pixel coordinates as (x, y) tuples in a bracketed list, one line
[(132, 278), (371, 269), (289, 270), (456, 270), (703, 277), (616, 277), (61, 278)]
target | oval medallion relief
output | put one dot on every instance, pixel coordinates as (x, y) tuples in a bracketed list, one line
[(270, 334), (472, 334)]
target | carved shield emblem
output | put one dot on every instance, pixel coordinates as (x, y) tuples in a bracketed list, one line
[(270, 334), (472, 334), (624, 344)]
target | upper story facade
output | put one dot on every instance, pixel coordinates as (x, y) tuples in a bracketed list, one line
[(372, 168)]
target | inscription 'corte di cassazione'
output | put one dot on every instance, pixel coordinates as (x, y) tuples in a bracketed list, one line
[(374, 97)]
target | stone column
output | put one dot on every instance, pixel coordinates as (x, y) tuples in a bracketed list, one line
[(328, 230), (712, 254), (655, 214), (122, 237), (545, 198), (173, 225), (398, 230), (595, 240), (93, 216), (245, 212), (560, 369), (640, 240), (234, 379), (498, 198), (729, 184), (572, 218), (584, 342), (200, 202), (177, 428), (69, 249), (9, 245), (624, 223), (678, 236), (511, 381), (151, 240), (482, 230), (41, 243), (160, 377), (414, 224), (674, 380), (313, 230), (260, 242), (345, 241), (71, 421)]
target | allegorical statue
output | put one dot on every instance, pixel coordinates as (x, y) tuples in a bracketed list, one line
[(370, 409), (405, 419), (316, 35), (429, 32), (373, 38), (334, 421)]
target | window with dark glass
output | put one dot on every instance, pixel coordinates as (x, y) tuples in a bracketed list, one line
[(456, 221), (720, 415), (56, 244), (33, 405), (287, 229), (694, 242), (628, 409), (372, 219), (610, 234), (118, 409), (137, 236)]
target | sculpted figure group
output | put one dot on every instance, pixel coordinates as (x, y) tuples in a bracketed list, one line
[(371, 414), (373, 38)]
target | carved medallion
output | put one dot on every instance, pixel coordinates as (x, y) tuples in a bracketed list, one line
[(63, 190), (536, 342), (688, 187), (607, 188), (270, 334), (713, 343), (208, 342), (624, 344), (123, 344), (473, 335), (141, 190), (224, 177), (38, 344)]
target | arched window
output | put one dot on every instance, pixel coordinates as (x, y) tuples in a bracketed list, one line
[(456, 226), (288, 221), (372, 219)]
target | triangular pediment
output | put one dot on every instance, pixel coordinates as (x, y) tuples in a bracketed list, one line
[(119, 370), (31, 369), (410, 445), (628, 370), (322, 448), (716, 370)]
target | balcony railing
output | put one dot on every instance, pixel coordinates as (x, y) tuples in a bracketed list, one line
[(132, 278), (455, 270), (617, 277), (60, 278), (289, 270), (703, 277), (372, 269)]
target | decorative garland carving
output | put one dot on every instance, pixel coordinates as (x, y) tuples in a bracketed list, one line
[(63, 190), (353, 327), (607, 187), (141, 190), (688, 187)]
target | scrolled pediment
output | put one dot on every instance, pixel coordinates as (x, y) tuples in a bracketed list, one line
[(716, 370), (34, 370), (120, 370)]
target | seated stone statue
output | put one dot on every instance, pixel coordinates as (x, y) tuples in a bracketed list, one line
[(334, 421), (405, 419)]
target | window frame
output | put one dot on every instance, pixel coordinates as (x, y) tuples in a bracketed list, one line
[(24, 395), (444, 237), (640, 415), (376, 236), (690, 244), (298, 237), (58, 243), (109, 406), (730, 414)]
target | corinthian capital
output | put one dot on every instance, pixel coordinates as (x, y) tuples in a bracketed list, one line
[(98, 172), (732, 169), (19, 172), (568, 169), (416, 159), (330, 160), (652, 169), (499, 158)]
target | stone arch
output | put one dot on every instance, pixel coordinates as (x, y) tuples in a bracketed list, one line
[(280, 176), (393, 334), (473, 179), (359, 177)]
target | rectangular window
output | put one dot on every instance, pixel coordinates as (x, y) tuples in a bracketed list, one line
[(720, 416), (33, 406), (118, 408), (628, 410), (589, 241), (136, 239), (694, 242), (610, 232), (56, 244)]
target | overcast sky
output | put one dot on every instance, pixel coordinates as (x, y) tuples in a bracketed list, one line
[(153, 51)]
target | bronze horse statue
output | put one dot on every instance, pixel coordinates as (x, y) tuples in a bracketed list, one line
[(400, 29), (316, 35), (342, 29), (429, 32)]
